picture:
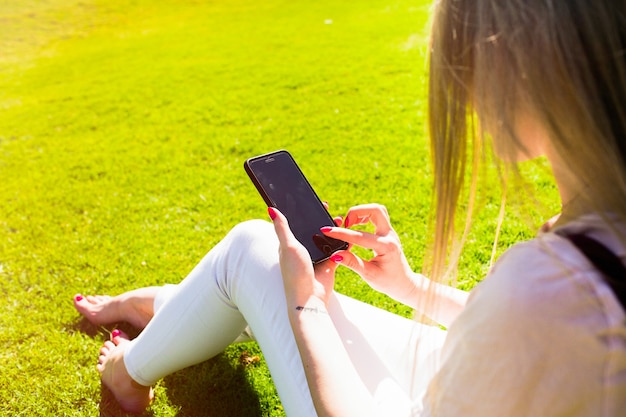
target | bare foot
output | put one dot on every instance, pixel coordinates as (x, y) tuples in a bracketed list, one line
[(135, 307), (130, 395)]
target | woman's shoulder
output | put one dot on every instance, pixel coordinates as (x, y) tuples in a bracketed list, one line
[(543, 309), (548, 275), (541, 265)]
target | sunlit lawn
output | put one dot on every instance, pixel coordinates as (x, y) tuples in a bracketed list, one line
[(123, 129)]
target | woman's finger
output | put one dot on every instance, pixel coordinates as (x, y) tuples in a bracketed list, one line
[(281, 226), (326, 270), (351, 261), (290, 249), (356, 237), (369, 213)]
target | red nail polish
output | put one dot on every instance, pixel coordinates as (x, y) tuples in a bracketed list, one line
[(325, 229), (336, 258), (115, 333), (271, 212), (78, 298)]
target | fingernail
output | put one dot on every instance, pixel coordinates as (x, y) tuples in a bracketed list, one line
[(325, 229), (78, 298), (115, 333), (336, 258), (271, 212), (345, 223)]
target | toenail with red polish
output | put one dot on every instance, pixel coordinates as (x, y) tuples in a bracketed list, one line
[(78, 298), (115, 333)]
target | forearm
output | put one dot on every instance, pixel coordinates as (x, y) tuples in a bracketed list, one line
[(441, 303), (335, 385), (336, 388), (389, 271)]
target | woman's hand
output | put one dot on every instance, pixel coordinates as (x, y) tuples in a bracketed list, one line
[(336, 387), (388, 270), (304, 284)]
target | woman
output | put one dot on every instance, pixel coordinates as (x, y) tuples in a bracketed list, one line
[(543, 334)]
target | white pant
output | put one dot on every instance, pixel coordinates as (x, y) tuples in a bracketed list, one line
[(238, 286)]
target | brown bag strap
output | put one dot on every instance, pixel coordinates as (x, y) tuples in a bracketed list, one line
[(604, 260)]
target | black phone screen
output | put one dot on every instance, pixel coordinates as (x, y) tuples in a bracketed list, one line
[(283, 185)]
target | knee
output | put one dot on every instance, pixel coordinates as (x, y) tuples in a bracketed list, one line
[(251, 240), (253, 231)]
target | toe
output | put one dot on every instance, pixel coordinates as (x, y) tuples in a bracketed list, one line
[(97, 299), (118, 336), (108, 345), (81, 303), (97, 309), (92, 299)]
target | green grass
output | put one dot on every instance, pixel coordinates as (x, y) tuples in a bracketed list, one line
[(123, 129)]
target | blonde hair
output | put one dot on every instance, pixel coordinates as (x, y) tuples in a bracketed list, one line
[(565, 61)]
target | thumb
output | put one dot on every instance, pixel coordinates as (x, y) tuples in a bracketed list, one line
[(281, 225), (350, 261), (290, 248)]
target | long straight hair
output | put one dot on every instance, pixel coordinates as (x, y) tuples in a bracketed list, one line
[(562, 61)]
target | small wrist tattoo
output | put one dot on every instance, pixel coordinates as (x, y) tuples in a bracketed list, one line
[(311, 309)]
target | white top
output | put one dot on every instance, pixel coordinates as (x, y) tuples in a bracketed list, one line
[(542, 335)]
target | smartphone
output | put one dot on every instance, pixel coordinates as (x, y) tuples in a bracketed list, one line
[(282, 184)]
